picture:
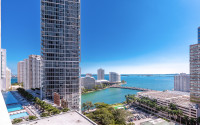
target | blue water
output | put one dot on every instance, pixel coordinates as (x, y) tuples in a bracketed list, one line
[(115, 95), (13, 80), (9, 98), (19, 115), (15, 107)]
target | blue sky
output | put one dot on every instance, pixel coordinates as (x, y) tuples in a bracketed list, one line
[(126, 36)]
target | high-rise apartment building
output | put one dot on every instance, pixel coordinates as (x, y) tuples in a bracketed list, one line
[(26, 74), (30, 72), (35, 70), (199, 35), (88, 82), (5, 119), (195, 71), (114, 77), (3, 69), (182, 82), (8, 78), (20, 71), (60, 31), (100, 74)]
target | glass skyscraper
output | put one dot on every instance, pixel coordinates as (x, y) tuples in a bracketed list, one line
[(60, 50), (199, 35), (195, 71)]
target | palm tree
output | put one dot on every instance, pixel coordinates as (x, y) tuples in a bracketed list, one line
[(180, 113), (198, 120), (175, 113), (192, 121), (84, 106), (89, 105), (186, 119)]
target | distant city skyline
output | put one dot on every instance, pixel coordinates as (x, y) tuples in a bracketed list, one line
[(128, 37)]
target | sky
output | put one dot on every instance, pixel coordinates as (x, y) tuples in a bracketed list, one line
[(124, 36)]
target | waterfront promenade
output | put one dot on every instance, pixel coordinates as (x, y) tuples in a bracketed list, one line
[(132, 88)]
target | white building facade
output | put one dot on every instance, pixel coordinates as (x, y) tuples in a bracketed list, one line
[(3, 69), (88, 82), (182, 82), (5, 119), (30, 72), (114, 77), (20, 71), (100, 74), (26, 74), (35, 71), (8, 78)]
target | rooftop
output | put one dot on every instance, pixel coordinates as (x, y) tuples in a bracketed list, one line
[(70, 118), (178, 98)]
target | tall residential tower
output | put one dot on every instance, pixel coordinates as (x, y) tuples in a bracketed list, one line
[(100, 74), (195, 71), (60, 37)]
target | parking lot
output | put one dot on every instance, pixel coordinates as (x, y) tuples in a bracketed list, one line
[(138, 116)]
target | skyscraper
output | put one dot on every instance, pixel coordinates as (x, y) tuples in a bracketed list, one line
[(30, 72), (3, 69), (182, 82), (8, 78), (60, 37), (35, 69), (114, 77), (100, 74), (199, 35), (20, 72), (195, 71)]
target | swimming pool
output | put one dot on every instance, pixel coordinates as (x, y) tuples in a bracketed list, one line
[(15, 107), (18, 115), (9, 98)]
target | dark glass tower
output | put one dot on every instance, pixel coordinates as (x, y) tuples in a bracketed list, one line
[(60, 50), (195, 71)]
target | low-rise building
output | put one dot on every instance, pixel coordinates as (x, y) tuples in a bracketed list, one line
[(88, 82), (180, 99), (114, 77), (182, 82)]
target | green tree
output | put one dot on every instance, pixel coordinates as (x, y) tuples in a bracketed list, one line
[(101, 105), (89, 105), (32, 117)]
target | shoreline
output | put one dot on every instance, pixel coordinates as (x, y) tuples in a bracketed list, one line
[(102, 89)]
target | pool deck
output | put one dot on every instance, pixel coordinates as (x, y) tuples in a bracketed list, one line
[(27, 106)]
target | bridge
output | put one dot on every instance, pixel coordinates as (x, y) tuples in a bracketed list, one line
[(132, 88)]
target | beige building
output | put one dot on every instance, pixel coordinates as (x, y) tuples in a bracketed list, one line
[(20, 71), (8, 78), (29, 72), (26, 74), (182, 82)]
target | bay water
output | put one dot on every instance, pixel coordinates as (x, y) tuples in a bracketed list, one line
[(117, 95)]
